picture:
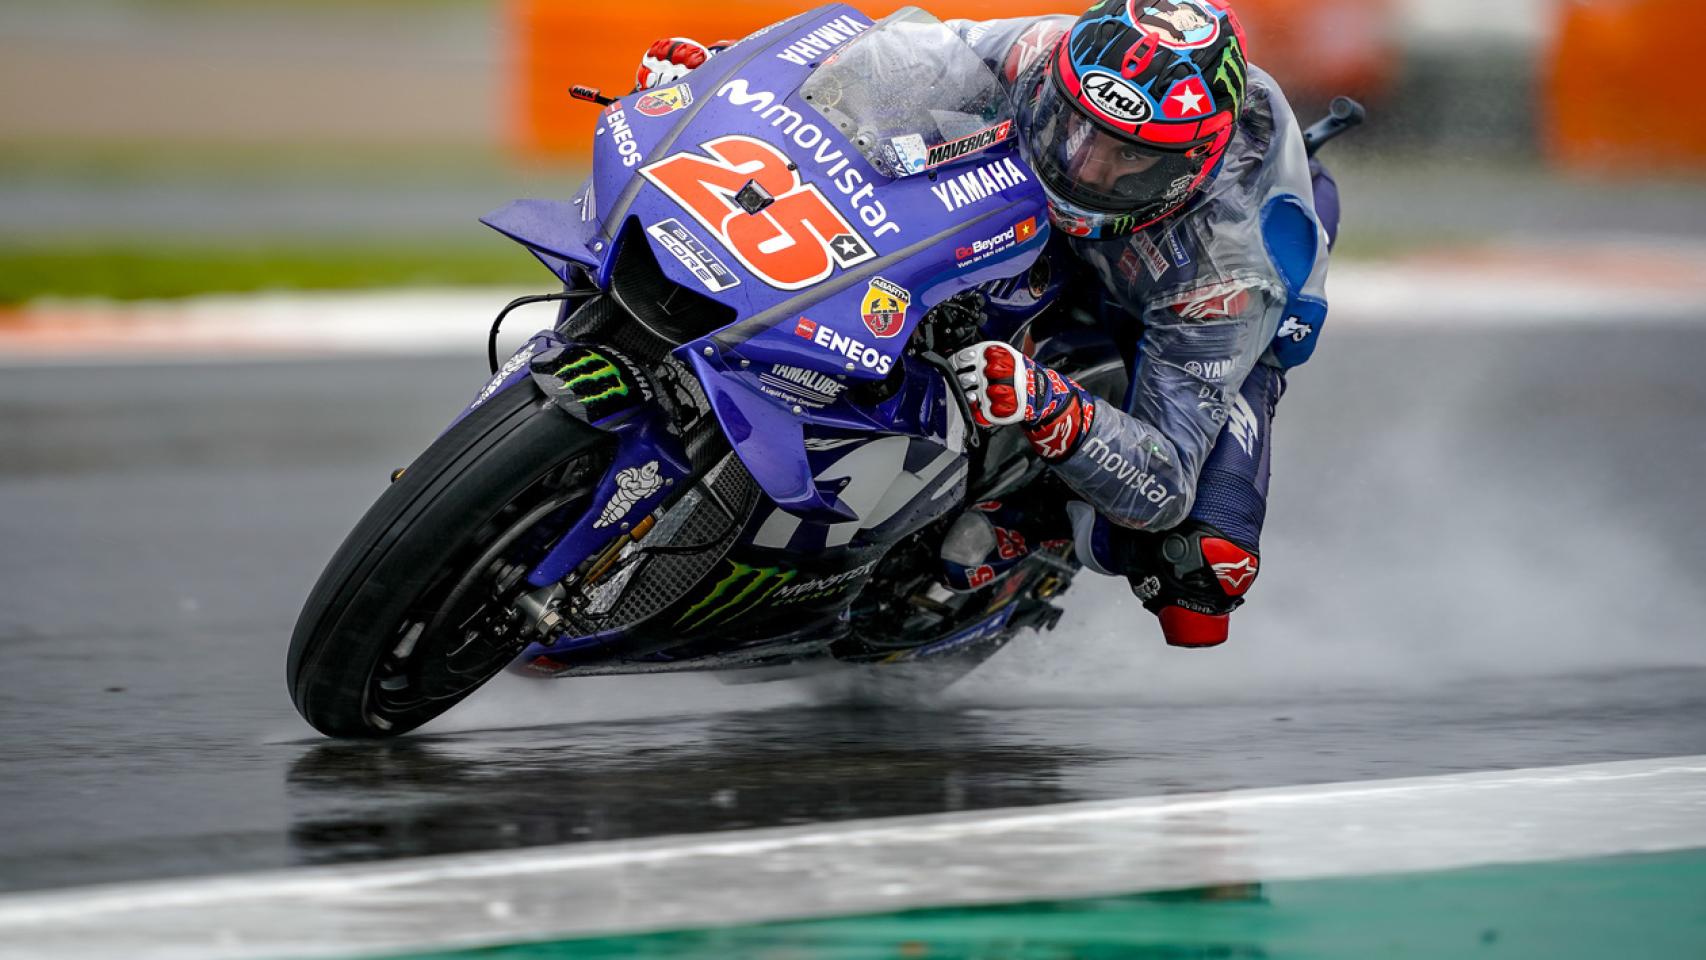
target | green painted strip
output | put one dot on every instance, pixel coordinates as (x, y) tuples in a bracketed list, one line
[(1645, 905)]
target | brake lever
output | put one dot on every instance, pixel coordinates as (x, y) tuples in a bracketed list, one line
[(974, 440)]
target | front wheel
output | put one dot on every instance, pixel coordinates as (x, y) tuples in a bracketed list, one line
[(416, 609)]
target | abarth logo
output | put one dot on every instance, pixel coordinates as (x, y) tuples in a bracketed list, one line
[(885, 306), (660, 103)]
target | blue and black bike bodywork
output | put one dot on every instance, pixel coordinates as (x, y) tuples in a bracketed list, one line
[(763, 276), (739, 446)]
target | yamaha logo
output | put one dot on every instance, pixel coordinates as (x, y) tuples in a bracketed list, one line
[(1116, 99)]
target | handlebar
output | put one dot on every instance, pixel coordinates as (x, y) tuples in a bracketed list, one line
[(1345, 115)]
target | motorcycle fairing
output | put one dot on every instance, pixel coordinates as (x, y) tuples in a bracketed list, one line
[(558, 233), (895, 485), (986, 629), (855, 442), (654, 137), (833, 339)]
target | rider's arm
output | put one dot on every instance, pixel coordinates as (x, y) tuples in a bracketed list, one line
[(1139, 465)]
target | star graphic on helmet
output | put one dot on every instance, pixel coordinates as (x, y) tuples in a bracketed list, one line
[(1189, 102)]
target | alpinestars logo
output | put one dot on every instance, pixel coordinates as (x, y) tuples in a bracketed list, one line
[(1235, 575), (1233, 566)]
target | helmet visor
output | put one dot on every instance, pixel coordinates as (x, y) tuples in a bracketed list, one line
[(1083, 163)]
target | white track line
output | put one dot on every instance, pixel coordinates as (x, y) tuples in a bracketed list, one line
[(1067, 850)]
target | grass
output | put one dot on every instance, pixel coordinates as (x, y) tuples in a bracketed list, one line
[(125, 270), (130, 272)]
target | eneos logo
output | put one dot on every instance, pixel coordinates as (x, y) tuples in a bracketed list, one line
[(860, 353)]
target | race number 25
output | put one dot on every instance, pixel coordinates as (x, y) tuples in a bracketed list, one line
[(793, 242)]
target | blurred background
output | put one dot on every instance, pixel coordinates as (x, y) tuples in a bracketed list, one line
[(164, 147), (1483, 549)]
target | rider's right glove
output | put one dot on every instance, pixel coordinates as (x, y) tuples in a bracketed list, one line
[(670, 59), (1005, 387)]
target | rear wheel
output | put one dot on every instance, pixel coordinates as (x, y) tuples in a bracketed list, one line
[(416, 609)]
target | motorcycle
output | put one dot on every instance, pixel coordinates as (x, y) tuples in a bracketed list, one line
[(740, 446)]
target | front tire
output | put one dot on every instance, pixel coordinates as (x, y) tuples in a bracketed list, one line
[(413, 613)]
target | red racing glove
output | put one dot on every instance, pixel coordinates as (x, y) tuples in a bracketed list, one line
[(1006, 387), (670, 59)]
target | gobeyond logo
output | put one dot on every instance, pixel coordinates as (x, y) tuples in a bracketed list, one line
[(742, 590)]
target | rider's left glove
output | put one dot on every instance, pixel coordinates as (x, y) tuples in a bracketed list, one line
[(670, 59), (1005, 387)]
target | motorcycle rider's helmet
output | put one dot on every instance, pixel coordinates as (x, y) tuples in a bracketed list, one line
[(1130, 113)]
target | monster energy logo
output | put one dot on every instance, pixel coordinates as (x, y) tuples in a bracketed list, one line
[(592, 378), (741, 591), (1230, 75)]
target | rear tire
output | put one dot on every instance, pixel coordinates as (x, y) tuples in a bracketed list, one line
[(418, 563)]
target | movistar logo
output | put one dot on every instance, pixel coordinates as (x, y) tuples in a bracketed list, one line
[(743, 589), (592, 378)]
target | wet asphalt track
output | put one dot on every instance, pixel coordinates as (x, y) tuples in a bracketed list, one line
[(1485, 553)]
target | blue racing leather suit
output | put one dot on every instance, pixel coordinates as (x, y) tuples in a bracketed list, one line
[(1211, 305)]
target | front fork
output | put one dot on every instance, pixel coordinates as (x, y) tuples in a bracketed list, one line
[(604, 388)]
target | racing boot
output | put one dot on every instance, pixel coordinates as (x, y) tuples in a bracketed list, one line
[(1191, 577)]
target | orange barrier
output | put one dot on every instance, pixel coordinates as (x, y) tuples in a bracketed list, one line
[(1313, 46), (1318, 48), (1622, 91), (559, 43)]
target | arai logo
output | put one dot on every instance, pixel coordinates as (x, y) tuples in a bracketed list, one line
[(1116, 98)]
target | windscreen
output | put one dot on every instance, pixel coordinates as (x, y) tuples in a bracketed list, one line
[(911, 95)]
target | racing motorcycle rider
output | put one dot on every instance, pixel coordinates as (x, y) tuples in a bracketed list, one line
[(1177, 175)]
